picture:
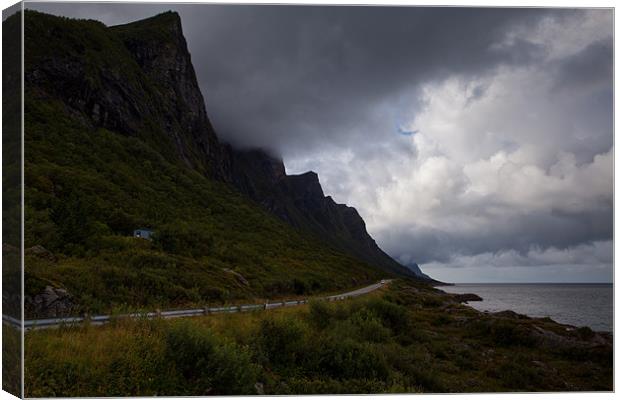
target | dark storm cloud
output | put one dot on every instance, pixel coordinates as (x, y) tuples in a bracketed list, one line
[(294, 77), (289, 77), (557, 230), (589, 69)]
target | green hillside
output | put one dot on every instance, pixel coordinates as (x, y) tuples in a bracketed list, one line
[(87, 191), (88, 187)]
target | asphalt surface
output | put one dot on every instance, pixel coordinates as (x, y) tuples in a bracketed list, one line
[(361, 291)]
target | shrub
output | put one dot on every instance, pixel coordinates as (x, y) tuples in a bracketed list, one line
[(369, 327), (181, 238), (427, 379), (416, 366), (585, 333), (392, 315), (151, 260), (431, 301), (282, 340), (209, 365), (518, 374), (121, 222), (508, 333), (74, 221), (212, 293), (300, 286), (502, 332), (441, 319), (347, 359), (321, 313)]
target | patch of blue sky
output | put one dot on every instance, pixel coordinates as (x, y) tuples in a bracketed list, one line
[(406, 132)]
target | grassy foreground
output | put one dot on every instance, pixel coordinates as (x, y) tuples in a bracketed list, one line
[(405, 338)]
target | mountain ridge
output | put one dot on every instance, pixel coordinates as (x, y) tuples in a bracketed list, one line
[(310, 208), (150, 91)]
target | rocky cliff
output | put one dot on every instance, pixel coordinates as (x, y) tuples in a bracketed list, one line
[(300, 201), (135, 79), (138, 80)]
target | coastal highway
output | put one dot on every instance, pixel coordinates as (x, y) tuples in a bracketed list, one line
[(102, 319), (361, 291)]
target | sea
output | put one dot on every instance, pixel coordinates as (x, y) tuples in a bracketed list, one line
[(582, 304)]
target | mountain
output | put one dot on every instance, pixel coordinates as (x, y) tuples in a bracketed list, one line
[(299, 200), (160, 50), (118, 137)]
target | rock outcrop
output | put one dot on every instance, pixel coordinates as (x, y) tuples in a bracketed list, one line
[(467, 297), (159, 48), (51, 302), (240, 278), (40, 252)]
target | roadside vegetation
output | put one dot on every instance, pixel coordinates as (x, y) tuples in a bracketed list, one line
[(405, 338)]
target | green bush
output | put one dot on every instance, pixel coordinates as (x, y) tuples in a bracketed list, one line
[(502, 332), (394, 316), (416, 365), (344, 358), (518, 374), (181, 238), (300, 286), (72, 217), (209, 365), (282, 341), (508, 333), (585, 333), (321, 313), (369, 327)]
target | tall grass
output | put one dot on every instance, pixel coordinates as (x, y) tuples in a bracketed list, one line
[(384, 343)]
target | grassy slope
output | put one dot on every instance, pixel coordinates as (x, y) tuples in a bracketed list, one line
[(407, 338), (88, 188)]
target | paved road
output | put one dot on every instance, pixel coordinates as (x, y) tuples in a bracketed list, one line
[(361, 291), (102, 319)]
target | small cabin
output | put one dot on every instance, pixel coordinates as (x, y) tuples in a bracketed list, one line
[(143, 233)]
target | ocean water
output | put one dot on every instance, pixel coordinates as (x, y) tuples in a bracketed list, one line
[(574, 304)]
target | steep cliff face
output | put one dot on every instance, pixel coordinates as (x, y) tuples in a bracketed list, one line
[(135, 79), (138, 80), (300, 201), (159, 48)]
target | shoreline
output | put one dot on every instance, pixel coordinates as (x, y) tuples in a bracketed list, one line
[(567, 326)]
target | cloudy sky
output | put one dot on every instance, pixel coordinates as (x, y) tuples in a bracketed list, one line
[(475, 142)]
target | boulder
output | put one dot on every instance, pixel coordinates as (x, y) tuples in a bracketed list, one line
[(510, 314), (240, 278), (465, 297), (51, 302), (41, 252)]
